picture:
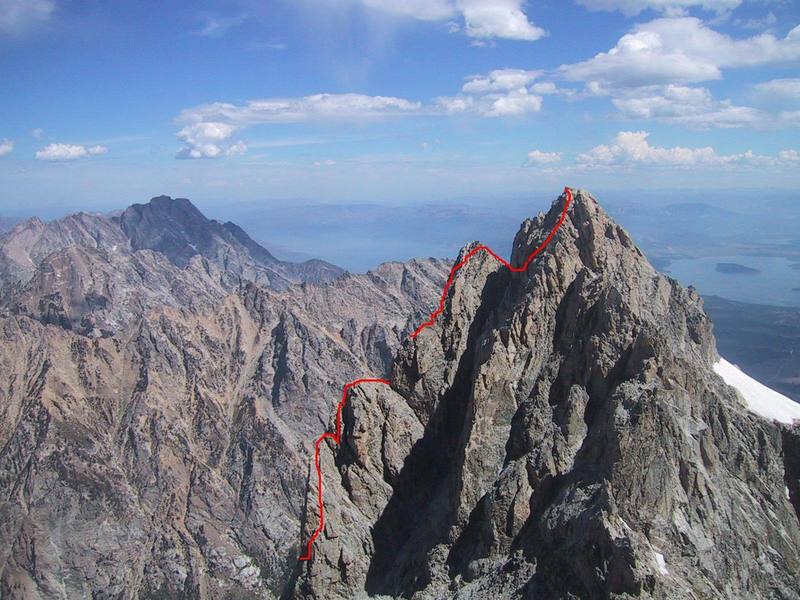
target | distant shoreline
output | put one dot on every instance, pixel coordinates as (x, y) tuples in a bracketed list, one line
[(735, 269)]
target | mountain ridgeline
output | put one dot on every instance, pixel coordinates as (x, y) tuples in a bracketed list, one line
[(557, 433), (171, 227)]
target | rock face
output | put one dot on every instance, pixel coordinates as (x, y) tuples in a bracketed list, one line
[(171, 227), (178, 230), (155, 416), (26, 245), (558, 433)]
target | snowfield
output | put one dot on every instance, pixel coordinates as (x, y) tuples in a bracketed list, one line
[(760, 399)]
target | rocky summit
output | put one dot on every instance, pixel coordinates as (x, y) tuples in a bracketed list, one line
[(557, 433)]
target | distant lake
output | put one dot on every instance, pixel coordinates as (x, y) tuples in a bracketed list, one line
[(774, 283)]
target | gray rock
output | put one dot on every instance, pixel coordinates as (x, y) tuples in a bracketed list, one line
[(156, 420), (576, 444)]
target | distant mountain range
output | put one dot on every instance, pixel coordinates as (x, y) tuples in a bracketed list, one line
[(171, 227)]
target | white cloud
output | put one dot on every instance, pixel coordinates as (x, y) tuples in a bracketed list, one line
[(206, 131), (498, 19), (68, 152), (513, 104), (500, 80), (37, 133), (544, 87), (208, 140), (19, 16), (500, 93), (764, 22), (538, 158), (6, 146), (209, 129), (634, 7), (691, 106), (790, 118), (679, 50), (236, 148), (632, 147), (61, 152), (455, 104), (343, 107), (647, 71), (482, 19), (789, 155), (785, 88)]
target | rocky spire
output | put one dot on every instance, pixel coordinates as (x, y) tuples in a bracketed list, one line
[(560, 433)]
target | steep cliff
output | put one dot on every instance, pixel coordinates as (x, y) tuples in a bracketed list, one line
[(558, 433)]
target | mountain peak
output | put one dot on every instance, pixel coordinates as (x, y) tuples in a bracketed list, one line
[(570, 412), (164, 201)]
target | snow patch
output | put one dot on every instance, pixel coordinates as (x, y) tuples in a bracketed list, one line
[(660, 562), (760, 399)]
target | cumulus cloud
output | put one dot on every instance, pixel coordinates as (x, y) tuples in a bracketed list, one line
[(789, 156), (500, 80), (513, 104), (498, 19), (632, 147), (6, 146), (647, 74), (455, 104), (537, 158), (784, 88), (693, 106), (209, 129), (679, 50), (634, 7), (209, 140), (499, 93), (68, 152), (482, 19), (20, 16)]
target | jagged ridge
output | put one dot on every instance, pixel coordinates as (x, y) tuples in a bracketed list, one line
[(558, 433)]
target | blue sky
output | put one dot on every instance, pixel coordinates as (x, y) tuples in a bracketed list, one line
[(105, 104)]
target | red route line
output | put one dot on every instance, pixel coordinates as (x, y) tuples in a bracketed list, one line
[(498, 258), (337, 435)]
